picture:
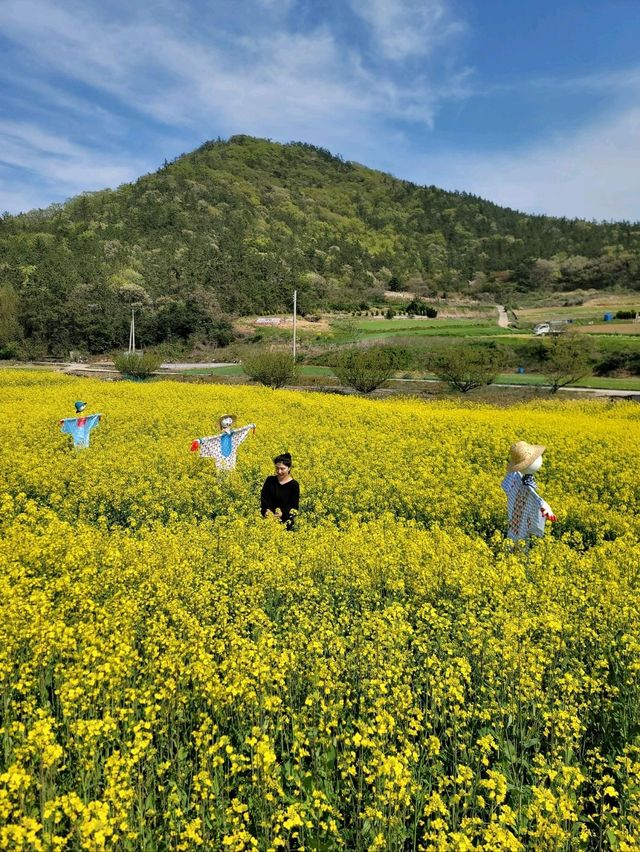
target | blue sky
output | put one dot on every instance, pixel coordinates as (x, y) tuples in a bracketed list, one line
[(534, 105)]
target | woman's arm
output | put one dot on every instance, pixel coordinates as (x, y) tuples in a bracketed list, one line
[(266, 502), (295, 495)]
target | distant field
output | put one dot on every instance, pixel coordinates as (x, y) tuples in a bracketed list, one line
[(577, 312), (602, 302), (383, 329), (420, 323), (616, 342), (631, 384), (632, 328)]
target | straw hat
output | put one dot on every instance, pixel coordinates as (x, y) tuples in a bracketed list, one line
[(521, 455), (231, 417)]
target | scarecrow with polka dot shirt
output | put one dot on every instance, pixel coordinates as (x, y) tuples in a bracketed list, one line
[(223, 448)]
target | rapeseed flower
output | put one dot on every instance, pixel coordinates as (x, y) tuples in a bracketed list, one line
[(176, 672)]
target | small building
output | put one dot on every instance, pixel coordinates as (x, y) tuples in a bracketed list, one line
[(608, 316)]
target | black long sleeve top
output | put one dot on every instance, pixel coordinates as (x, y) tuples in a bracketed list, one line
[(284, 497)]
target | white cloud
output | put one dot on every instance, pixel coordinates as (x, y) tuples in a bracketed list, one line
[(72, 39), (282, 84), (285, 75), (60, 167), (408, 28), (279, 84), (197, 83), (592, 174)]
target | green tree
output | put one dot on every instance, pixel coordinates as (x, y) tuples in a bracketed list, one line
[(416, 306), (467, 367), (10, 328), (543, 274), (137, 365), (568, 357), (275, 369), (365, 370)]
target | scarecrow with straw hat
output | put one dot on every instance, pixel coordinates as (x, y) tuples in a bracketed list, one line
[(528, 512), (223, 448)]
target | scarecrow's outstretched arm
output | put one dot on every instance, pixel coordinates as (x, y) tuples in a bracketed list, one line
[(238, 435), (547, 511)]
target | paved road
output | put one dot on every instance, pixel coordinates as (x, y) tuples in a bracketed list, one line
[(107, 366), (201, 366), (503, 319)]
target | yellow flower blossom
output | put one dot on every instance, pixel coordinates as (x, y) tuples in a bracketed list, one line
[(175, 672)]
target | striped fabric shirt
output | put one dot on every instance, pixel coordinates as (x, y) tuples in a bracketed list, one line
[(524, 507)]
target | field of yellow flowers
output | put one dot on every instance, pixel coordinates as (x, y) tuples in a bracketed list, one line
[(178, 673)]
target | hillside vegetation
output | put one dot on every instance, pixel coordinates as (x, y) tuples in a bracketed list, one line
[(233, 227)]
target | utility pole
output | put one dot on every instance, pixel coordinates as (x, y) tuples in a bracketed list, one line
[(132, 333), (295, 316)]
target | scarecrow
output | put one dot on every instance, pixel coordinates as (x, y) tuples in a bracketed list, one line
[(223, 448), (528, 512), (80, 427)]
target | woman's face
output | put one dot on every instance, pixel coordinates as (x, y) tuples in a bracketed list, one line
[(282, 471)]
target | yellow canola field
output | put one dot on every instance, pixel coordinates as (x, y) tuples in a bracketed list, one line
[(178, 673)]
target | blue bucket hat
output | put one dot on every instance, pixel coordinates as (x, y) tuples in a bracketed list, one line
[(79, 406)]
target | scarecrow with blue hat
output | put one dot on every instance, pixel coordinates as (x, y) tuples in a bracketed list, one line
[(80, 427), (223, 448)]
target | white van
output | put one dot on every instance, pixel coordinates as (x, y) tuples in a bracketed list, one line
[(553, 327), (542, 328)]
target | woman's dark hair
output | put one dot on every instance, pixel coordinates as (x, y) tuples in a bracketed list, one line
[(283, 458)]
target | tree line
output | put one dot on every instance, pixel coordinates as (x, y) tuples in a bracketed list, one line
[(564, 360), (233, 227)]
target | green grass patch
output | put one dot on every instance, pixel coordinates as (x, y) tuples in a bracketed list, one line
[(631, 383), (603, 382), (442, 331), (416, 324)]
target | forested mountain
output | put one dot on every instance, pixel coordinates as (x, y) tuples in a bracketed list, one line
[(233, 227)]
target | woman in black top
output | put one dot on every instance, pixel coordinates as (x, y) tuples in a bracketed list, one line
[(280, 495)]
